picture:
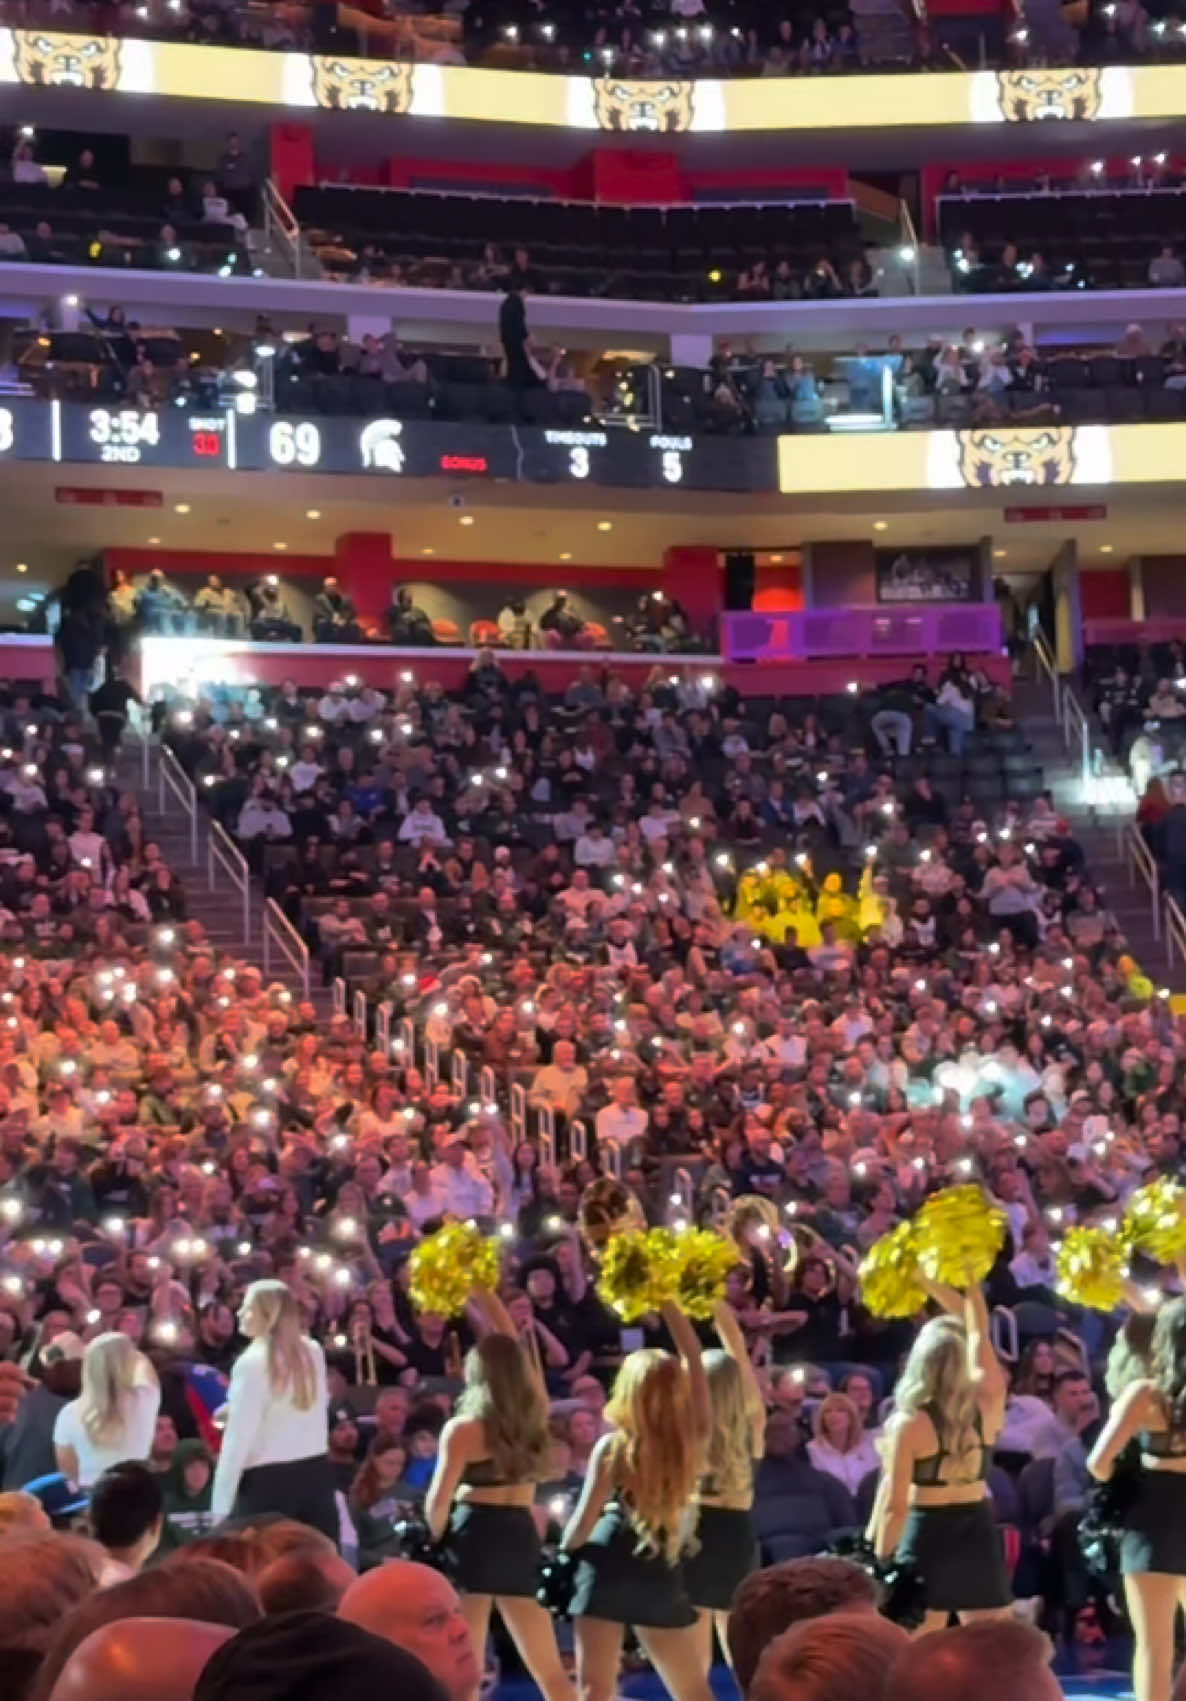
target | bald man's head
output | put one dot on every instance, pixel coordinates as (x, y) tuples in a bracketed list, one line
[(977, 1662), (417, 1609), (140, 1659), (304, 1580)]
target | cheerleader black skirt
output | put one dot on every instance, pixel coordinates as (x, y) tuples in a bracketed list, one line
[(494, 1549), (1154, 1533), (616, 1583), (728, 1552), (957, 1551)]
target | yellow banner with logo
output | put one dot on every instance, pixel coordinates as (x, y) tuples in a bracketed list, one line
[(1013, 458), (292, 81)]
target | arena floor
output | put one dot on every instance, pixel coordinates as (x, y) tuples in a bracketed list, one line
[(1110, 1681)]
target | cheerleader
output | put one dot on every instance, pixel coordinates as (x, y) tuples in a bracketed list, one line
[(932, 1508), (1152, 1408), (727, 1550), (493, 1452), (631, 1523), (274, 1455)]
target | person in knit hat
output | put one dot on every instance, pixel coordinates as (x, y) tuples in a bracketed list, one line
[(309, 1656)]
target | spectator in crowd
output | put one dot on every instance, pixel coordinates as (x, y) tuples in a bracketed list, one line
[(769, 1602), (125, 1514), (1166, 270), (419, 1611), (115, 1413), (828, 1659), (335, 619), (977, 1661)]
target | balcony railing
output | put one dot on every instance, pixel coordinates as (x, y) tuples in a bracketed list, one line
[(873, 631)]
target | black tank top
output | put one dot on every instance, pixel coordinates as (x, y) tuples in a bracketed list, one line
[(926, 1472)]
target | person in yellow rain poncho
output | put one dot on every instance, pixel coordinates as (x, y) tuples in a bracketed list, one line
[(1139, 985), (800, 914), (877, 911), (773, 899), (837, 906)]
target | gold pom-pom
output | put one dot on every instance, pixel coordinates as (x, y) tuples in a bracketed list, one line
[(447, 1266), (1092, 1266), (959, 1236), (703, 1263), (639, 1272), (1155, 1221), (890, 1285)]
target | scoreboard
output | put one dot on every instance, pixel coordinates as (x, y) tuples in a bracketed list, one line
[(386, 448)]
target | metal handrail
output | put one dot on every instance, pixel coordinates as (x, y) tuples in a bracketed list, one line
[(223, 855), (908, 244), (518, 1113), (1141, 864), (682, 1196), (1044, 656), (1004, 1323), (173, 779), (281, 225), (337, 996), (358, 1012), (1075, 729), (383, 1015), (140, 725), (279, 935), (545, 1133), (1175, 931)]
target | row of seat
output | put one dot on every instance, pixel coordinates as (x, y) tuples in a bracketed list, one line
[(1040, 218), (1119, 405), (702, 231), (491, 402)]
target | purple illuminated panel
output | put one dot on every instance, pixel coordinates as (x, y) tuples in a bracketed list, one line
[(872, 631)]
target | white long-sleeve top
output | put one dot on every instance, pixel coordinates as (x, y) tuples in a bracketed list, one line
[(138, 1410), (264, 1427)]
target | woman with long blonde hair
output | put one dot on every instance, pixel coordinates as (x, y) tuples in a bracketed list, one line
[(728, 1547), (114, 1416), (1152, 1407), (634, 1521), (932, 1507), (274, 1455), (839, 1444), (493, 1453)]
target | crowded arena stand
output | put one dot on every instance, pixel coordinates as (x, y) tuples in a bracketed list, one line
[(592, 851)]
